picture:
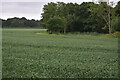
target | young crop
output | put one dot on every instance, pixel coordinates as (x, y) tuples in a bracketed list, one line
[(27, 54)]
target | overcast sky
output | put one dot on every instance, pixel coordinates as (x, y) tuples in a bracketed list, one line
[(31, 9)]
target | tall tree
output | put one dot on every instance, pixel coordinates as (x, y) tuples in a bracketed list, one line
[(49, 12), (104, 10)]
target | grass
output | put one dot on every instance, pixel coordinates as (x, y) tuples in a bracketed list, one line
[(27, 54), (113, 35)]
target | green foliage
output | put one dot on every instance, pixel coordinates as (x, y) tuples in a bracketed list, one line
[(117, 9), (86, 17), (27, 55), (55, 24), (116, 18), (116, 23), (116, 34)]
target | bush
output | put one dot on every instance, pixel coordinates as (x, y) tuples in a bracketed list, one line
[(116, 34)]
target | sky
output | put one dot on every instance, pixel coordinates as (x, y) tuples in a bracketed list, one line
[(31, 9)]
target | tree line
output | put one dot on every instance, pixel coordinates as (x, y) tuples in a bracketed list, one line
[(63, 17), (20, 22)]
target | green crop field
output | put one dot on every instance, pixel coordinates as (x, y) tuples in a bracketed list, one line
[(33, 53)]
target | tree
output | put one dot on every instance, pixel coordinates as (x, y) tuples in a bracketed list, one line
[(49, 12), (55, 24), (20, 22), (54, 9), (104, 10), (86, 17)]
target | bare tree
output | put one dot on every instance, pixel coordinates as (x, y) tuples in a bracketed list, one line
[(108, 9)]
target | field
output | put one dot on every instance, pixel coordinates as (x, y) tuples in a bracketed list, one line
[(26, 54)]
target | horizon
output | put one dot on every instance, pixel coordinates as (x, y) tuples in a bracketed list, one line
[(18, 17), (29, 10)]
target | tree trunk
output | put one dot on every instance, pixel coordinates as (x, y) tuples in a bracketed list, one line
[(109, 23), (64, 30)]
